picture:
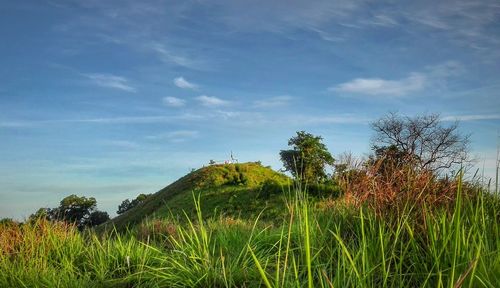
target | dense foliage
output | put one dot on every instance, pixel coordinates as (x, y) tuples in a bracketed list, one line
[(307, 159), (78, 210), (127, 204)]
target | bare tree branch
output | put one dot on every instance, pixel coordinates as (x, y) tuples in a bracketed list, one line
[(423, 137)]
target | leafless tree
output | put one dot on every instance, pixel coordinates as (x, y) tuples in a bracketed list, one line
[(424, 139)]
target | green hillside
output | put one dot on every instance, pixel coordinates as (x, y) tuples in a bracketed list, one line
[(225, 188)]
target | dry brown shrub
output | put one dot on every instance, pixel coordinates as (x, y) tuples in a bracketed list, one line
[(32, 235), (157, 230), (387, 189), (10, 237), (229, 222)]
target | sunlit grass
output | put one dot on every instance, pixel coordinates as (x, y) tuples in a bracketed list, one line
[(326, 244)]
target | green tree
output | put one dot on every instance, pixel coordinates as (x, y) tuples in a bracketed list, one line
[(98, 217), (307, 159), (76, 209), (45, 213), (127, 204), (123, 207)]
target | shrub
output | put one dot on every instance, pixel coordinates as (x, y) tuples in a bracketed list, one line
[(391, 189), (323, 190), (271, 187)]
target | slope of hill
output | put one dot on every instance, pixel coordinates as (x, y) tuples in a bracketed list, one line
[(225, 187)]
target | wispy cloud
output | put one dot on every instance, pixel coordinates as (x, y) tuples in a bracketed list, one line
[(469, 23), (471, 117), (184, 84), (382, 20), (167, 56), (341, 119), (176, 136), (14, 124), (122, 144), (110, 81), (103, 120), (138, 119), (174, 101), (273, 102), (211, 101), (382, 87), (281, 16), (445, 70)]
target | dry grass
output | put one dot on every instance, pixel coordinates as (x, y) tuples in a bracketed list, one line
[(387, 188), (14, 236)]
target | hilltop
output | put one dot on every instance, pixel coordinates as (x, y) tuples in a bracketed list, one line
[(225, 188)]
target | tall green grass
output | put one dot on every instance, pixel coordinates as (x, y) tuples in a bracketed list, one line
[(315, 245)]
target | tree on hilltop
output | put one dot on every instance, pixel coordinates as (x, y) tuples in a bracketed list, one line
[(308, 158)]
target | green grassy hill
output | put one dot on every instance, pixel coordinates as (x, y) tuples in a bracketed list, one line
[(229, 189)]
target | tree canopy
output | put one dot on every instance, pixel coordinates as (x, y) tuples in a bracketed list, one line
[(77, 209), (74, 209), (308, 157), (127, 204)]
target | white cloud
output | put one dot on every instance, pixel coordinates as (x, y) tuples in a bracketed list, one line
[(174, 102), (435, 76), (273, 102), (472, 117), (184, 84), (382, 87), (110, 81), (176, 136), (227, 114), (211, 101)]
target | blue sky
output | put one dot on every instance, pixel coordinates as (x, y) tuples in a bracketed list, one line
[(115, 98)]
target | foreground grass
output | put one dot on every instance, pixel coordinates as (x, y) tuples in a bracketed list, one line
[(325, 244)]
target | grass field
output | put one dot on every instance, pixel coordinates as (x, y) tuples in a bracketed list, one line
[(316, 243)]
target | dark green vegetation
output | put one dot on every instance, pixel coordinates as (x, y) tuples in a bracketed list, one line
[(388, 221), (127, 204), (307, 159), (74, 209)]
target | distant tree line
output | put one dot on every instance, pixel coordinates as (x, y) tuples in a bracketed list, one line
[(81, 211)]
